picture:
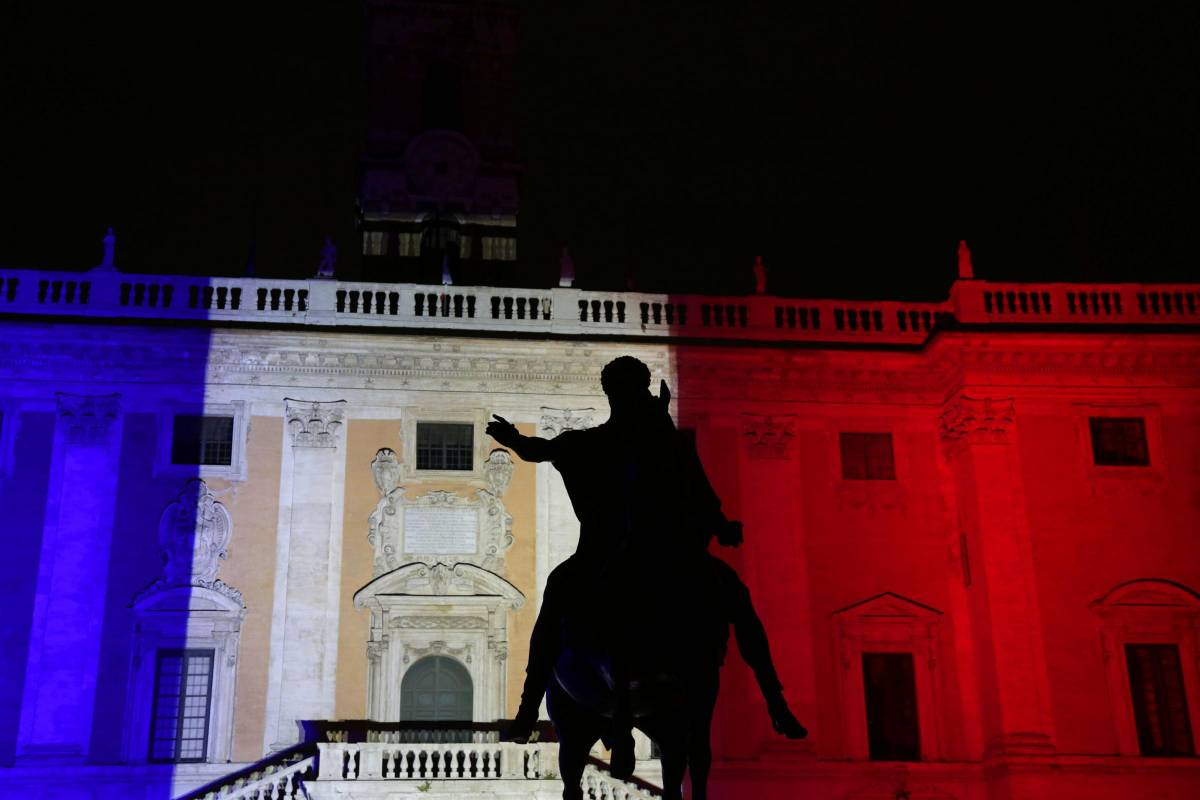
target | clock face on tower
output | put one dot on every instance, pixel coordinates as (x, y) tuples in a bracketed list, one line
[(441, 164)]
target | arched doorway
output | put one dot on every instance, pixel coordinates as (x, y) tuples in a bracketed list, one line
[(436, 689)]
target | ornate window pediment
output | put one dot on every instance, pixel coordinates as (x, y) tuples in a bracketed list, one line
[(889, 623), (1147, 611)]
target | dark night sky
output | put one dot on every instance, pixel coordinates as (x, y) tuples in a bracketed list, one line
[(851, 145)]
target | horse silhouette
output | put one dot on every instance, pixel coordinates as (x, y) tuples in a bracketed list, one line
[(633, 626)]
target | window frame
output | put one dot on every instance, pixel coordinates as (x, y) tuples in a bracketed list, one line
[(1109, 479), (1159, 646), (234, 471), (444, 447), (889, 623), (187, 653), (476, 417), (841, 449), (1147, 611), (1102, 418)]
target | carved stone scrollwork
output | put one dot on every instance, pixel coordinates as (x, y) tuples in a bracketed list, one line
[(386, 524), (413, 652), (556, 420), (87, 419), (194, 533), (978, 420), (498, 470), (314, 424), (768, 436), (386, 469), (441, 623)]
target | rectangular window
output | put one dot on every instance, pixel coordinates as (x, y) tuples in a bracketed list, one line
[(891, 695), (867, 457), (374, 243), (464, 247), (1159, 702), (499, 248), (445, 445), (1119, 441), (197, 439), (182, 695)]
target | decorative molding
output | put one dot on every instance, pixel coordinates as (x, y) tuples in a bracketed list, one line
[(87, 419), (769, 436), (385, 525), (314, 424), (556, 420), (978, 420), (440, 623), (193, 534), (438, 648), (439, 580), (498, 470), (386, 469)]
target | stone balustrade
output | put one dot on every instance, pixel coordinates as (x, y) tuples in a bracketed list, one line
[(574, 312), (277, 780), (428, 761), (599, 785)]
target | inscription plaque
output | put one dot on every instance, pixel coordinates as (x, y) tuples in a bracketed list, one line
[(441, 531)]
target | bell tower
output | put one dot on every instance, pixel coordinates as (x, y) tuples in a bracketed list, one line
[(438, 194)]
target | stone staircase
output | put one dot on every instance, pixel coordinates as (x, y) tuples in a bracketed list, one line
[(408, 761)]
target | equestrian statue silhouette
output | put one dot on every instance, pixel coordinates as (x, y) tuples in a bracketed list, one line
[(634, 626)]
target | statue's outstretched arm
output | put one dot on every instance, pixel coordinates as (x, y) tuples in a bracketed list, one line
[(528, 448)]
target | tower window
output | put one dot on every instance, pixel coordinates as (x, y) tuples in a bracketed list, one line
[(891, 699), (1159, 702), (374, 243), (198, 439), (867, 457), (1119, 441), (445, 445), (498, 248), (182, 695)]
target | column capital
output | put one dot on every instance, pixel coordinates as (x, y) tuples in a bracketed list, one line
[(556, 420), (314, 423), (978, 420), (87, 418)]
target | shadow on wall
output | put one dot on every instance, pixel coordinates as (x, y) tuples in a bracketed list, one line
[(113, 541)]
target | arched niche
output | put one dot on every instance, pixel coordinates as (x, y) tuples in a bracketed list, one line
[(458, 611)]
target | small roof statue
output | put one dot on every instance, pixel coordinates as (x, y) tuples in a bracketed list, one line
[(966, 271), (110, 247), (328, 259), (760, 276)]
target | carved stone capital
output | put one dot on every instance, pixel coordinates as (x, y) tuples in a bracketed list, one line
[(85, 418), (768, 436), (314, 424), (556, 420), (972, 420)]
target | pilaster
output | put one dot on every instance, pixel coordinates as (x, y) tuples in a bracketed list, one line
[(981, 450), (68, 615), (308, 559)]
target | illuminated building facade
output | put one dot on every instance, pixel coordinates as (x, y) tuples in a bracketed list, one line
[(234, 505)]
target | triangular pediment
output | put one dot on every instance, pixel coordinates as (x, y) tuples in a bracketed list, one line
[(887, 606)]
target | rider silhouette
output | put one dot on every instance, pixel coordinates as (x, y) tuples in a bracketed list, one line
[(643, 500)]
